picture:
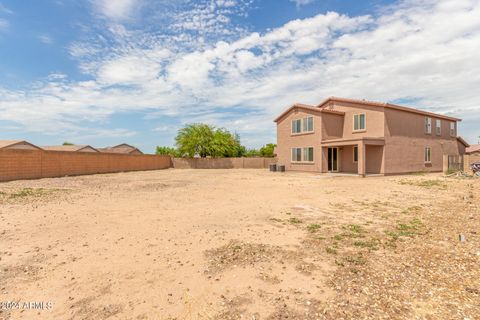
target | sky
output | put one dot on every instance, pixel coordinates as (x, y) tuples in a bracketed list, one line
[(103, 72)]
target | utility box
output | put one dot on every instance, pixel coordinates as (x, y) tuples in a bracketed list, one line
[(281, 169), (273, 167)]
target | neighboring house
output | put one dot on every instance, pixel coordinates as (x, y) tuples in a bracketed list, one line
[(473, 149), (18, 145), (71, 148), (364, 137), (121, 148)]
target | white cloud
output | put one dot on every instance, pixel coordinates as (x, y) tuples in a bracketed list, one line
[(407, 52), (302, 2), (45, 38), (4, 9), (117, 10), (4, 24)]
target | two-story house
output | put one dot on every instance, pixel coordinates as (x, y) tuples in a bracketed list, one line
[(364, 137)]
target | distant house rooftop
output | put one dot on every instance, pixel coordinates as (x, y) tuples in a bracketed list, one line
[(17, 144), (71, 148), (121, 148), (473, 148)]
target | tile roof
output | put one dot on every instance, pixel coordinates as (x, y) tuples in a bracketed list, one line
[(473, 148), (8, 143), (72, 148), (386, 105), (307, 107)]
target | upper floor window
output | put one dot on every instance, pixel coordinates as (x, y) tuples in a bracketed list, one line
[(438, 127), (452, 129), (428, 125), (297, 126), (302, 125), (359, 122)]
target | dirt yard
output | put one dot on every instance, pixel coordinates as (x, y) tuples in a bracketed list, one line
[(240, 244)]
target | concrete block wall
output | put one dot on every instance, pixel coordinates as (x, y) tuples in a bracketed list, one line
[(222, 163), (33, 164)]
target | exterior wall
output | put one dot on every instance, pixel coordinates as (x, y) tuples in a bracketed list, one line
[(286, 140), (346, 160), (332, 126), (405, 142), (222, 163), (375, 159), (375, 120), (33, 164)]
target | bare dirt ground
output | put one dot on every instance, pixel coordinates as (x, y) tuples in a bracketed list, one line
[(240, 244)]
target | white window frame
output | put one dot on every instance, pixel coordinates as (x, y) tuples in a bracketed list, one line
[(304, 150), (358, 116), (305, 124), (353, 156), (303, 158), (438, 127), (453, 127), (294, 121), (428, 125), (427, 155)]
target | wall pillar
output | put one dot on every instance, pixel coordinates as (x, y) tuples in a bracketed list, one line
[(362, 159)]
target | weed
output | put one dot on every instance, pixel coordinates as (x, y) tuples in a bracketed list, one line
[(424, 183), (27, 192), (313, 227), (331, 250), (276, 219), (295, 220), (356, 260), (338, 237), (369, 244), (405, 229)]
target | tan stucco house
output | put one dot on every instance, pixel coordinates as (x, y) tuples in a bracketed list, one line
[(121, 148), (364, 137)]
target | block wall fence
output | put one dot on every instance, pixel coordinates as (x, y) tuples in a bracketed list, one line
[(34, 164), (18, 164)]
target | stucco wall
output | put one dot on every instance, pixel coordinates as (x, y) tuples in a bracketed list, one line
[(32, 164), (374, 162), (332, 126), (346, 160), (286, 140), (405, 142), (375, 124), (222, 163)]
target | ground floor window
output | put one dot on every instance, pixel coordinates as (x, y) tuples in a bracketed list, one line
[(296, 154), (302, 154), (355, 154), (428, 155)]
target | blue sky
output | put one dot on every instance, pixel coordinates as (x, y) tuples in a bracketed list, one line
[(103, 72)]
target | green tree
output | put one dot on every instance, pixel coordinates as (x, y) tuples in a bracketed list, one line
[(267, 150), (66, 143), (168, 151), (250, 153), (195, 139), (205, 140)]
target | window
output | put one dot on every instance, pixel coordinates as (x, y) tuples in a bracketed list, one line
[(308, 124), (359, 122), (355, 154), (428, 155), (438, 127), (308, 154), (302, 154), (452, 129), (302, 125), (296, 154), (297, 126), (428, 125)]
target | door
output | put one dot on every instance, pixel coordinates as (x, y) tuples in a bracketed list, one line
[(332, 159)]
